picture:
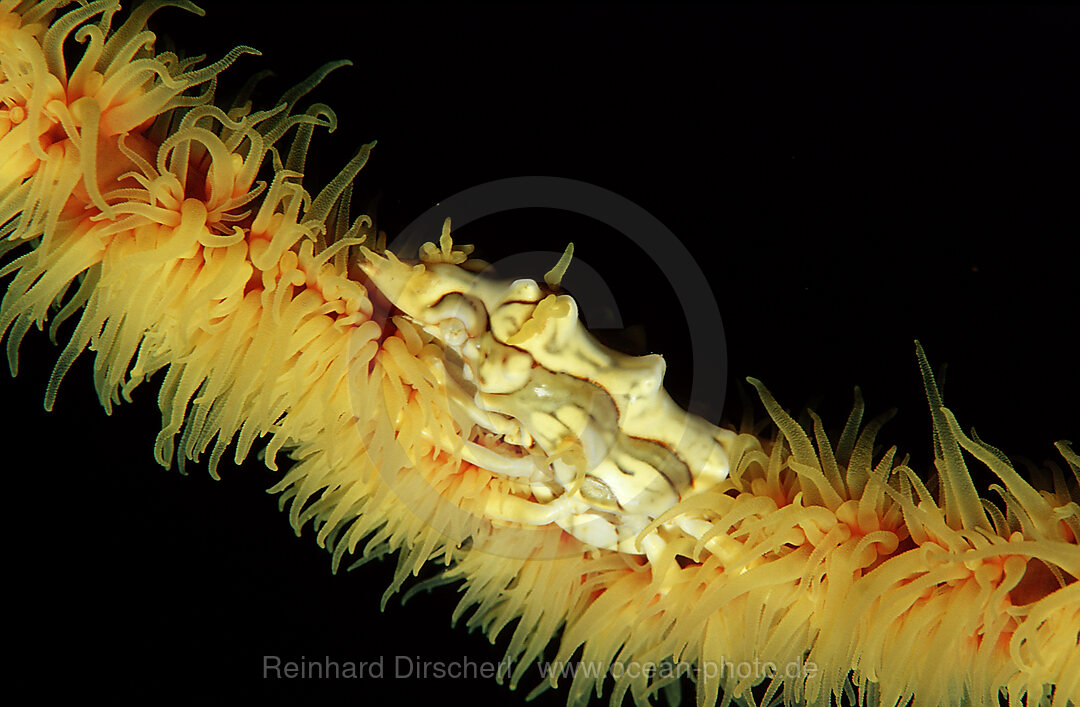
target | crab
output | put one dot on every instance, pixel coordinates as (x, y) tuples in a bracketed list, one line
[(589, 432)]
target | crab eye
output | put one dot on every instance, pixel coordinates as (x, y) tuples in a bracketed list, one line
[(524, 290), (469, 313), (453, 332)]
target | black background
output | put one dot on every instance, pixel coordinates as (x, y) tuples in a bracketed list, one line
[(848, 179)]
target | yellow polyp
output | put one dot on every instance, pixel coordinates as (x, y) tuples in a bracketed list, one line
[(444, 253), (554, 277)]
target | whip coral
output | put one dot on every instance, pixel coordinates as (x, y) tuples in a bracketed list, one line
[(478, 431)]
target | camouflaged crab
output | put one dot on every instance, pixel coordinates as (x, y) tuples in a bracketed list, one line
[(589, 435)]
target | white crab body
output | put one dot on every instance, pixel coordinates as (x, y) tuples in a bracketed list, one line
[(599, 445)]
